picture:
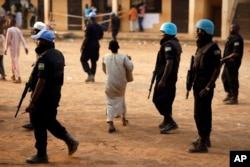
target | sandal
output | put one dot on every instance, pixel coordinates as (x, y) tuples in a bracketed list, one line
[(13, 78), (124, 122), (111, 127), (112, 130)]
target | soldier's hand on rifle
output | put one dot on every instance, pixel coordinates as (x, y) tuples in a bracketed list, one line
[(203, 92), (30, 107), (161, 85)]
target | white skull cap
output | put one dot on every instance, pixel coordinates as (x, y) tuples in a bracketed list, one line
[(39, 25)]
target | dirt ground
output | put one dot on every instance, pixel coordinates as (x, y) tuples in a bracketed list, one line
[(82, 112)]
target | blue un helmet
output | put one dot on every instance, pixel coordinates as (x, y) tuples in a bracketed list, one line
[(206, 25), (169, 28)]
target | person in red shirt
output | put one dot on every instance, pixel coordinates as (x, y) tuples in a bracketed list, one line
[(132, 18)]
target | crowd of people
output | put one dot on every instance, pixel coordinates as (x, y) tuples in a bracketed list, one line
[(12, 19), (20, 12), (48, 75)]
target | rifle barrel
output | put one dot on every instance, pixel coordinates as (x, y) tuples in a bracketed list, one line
[(151, 84), (149, 93), (22, 97), (187, 94)]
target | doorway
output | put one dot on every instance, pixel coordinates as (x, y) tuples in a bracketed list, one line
[(179, 14), (75, 9)]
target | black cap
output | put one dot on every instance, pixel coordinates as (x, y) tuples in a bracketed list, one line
[(113, 45)]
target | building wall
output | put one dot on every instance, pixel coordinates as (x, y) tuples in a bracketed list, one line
[(153, 25), (60, 7), (209, 9), (165, 16), (124, 18), (227, 13), (197, 9)]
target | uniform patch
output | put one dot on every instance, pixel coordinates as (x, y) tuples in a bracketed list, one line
[(41, 66), (167, 49), (217, 52), (236, 43)]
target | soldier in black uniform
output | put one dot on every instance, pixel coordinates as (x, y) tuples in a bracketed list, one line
[(166, 71), (115, 25), (206, 70), (38, 26), (90, 47), (232, 56), (46, 93)]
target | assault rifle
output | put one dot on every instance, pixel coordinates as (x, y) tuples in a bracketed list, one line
[(29, 83), (26, 89), (152, 83), (190, 77)]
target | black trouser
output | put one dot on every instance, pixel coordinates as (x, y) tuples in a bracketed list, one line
[(114, 33), (140, 19), (91, 54), (163, 101), (43, 119), (230, 78), (203, 112)]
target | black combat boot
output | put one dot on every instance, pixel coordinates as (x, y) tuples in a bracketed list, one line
[(164, 123), (28, 126), (40, 158), (169, 127), (227, 98), (196, 141), (200, 147), (233, 100), (71, 143), (90, 78), (37, 159)]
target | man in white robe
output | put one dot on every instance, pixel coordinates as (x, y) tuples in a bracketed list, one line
[(115, 66), (14, 38)]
